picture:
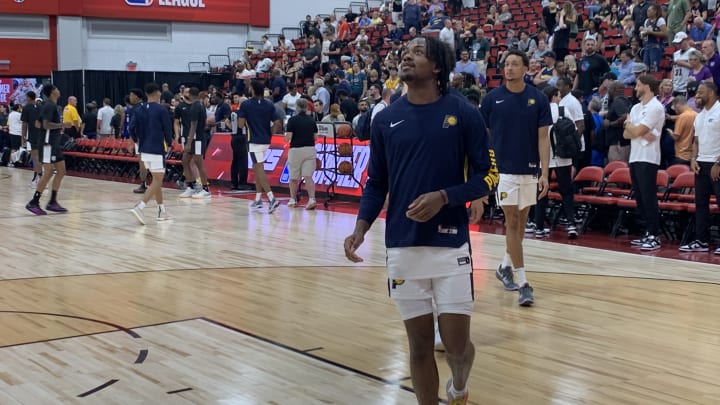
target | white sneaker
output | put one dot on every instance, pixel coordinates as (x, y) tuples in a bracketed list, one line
[(188, 193), (311, 204), (292, 203), (138, 214), (34, 183), (163, 215), (202, 194)]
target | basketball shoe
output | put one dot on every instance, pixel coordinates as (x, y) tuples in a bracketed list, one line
[(454, 399)]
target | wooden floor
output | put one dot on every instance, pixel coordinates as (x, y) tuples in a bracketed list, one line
[(224, 305)]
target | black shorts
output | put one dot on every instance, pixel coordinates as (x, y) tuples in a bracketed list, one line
[(15, 142), (56, 153), (36, 140)]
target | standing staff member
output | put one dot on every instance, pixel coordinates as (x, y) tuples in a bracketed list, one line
[(301, 133)]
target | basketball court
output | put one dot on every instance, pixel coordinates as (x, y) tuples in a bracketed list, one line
[(230, 306)]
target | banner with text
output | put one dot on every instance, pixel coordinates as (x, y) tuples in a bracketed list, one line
[(219, 157)]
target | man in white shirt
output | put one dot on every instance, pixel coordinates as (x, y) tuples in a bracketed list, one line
[(572, 107), (705, 163), (290, 99), (384, 102), (681, 66), (104, 116), (644, 127), (447, 35)]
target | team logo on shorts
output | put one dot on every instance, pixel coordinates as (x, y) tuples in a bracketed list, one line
[(531, 102), (503, 195), (396, 282), (449, 121)]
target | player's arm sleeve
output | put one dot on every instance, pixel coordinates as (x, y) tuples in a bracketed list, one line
[(376, 186), (481, 179)]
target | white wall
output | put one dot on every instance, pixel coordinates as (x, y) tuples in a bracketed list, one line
[(187, 42)]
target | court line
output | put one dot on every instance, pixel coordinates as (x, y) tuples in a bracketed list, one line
[(142, 355), (98, 388), (179, 391)]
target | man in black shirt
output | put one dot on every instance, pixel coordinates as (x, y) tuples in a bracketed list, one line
[(301, 133), (32, 134), (192, 119), (619, 107), (590, 68), (50, 153)]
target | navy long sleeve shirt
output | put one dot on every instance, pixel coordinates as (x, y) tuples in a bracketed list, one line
[(417, 149), (150, 125)]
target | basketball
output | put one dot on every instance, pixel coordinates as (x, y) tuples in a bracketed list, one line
[(343, 131), (318, 164), (345, 167), (345, 150)]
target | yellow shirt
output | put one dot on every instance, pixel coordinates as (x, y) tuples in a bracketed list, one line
[(70, 114), (392, 84)]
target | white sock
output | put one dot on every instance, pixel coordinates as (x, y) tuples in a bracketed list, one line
[(141, 205), (521, 279), (258, 196), (270, 196), (455, 393), (507, 262), (162, 207)]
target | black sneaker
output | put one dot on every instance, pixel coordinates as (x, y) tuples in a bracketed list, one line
[(141, 189), (641, 241), (572, 232), (530, 227), (651, 243), (695, 246), (505, 275), (541, 233), (526, 298)]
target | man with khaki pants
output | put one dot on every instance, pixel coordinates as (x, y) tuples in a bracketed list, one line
[(301, 133)]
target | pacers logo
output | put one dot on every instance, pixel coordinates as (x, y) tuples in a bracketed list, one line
[(396, 282), (449, 121), (531, 102), (503, 195)]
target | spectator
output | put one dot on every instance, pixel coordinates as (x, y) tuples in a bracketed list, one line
[(464, 65), (492, 15), (505, 16), (639, 15), (335, 115), (363, 21), (549, 14), (709, 50), (88, 128), (376, 20), (698, 10), (561, 36), (311, 58), (343, 30), (698, 71), (321, 93), (540, 51), (267, 45), (592, 67), (593, 32), (653, 32), (411, 15), (290, 99), (546, 76), (447, 35), (681, 66), (626, 68), (116, 122), (684, 131), (358, 82), (618, 108), (527, 44), (700, 31), (677, 10), (435, 5), (284, 45)]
